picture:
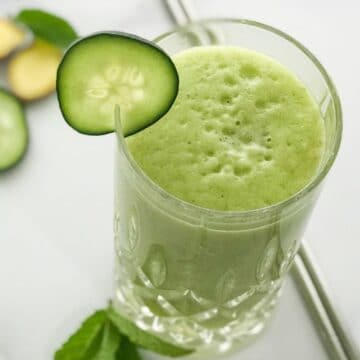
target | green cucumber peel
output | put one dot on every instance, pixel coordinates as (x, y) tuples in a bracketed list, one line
[(14, 135)]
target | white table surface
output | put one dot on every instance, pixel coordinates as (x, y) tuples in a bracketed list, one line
[(56, 246)]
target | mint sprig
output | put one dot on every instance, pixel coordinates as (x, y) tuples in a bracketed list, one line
[(97, 339), (106, 335), (48, 27)]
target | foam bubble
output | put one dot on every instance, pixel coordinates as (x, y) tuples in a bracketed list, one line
[(243, 132)]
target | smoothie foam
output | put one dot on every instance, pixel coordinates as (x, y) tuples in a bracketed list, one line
[(243, 133)]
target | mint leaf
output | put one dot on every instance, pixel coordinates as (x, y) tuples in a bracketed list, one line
[(48, 27), (80, 343), (111, 339), (142, 338), (97, 339), (127, 351)]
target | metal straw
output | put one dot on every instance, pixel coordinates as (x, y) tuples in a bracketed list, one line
[(305, 271), (308, 279)]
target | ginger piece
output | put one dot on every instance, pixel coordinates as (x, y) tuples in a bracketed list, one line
[(11, 37), (32, 71)]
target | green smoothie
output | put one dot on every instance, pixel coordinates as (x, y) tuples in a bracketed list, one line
[(243, 133)]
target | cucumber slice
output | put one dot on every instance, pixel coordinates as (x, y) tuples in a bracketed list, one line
[(108, 69), (13, 130)]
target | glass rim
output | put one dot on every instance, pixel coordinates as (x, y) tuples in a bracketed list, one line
[(273, 208)]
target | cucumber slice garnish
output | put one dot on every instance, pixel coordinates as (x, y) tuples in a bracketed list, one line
[(13, 130), (108, 69)]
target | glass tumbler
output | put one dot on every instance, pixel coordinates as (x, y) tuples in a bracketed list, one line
[(202, 278)]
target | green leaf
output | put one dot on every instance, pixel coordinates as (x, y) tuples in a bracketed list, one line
[(111, 339), (143, 338), (127, 351), (48, 27), (97, 339), (80, 343)]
